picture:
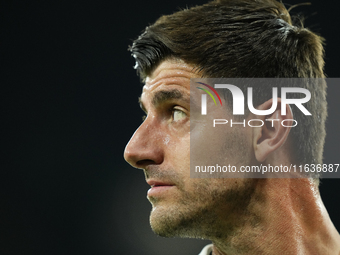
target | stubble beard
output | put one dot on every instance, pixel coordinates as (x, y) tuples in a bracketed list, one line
[(203, 214)]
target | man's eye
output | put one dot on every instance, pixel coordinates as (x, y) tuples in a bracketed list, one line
[(178, 115)]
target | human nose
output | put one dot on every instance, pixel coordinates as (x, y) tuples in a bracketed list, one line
[(144, 147)]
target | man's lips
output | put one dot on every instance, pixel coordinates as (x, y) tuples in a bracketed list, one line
[(159, 188), (154, 183)]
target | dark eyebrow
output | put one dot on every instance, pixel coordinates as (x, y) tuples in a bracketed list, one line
[(165, 95)]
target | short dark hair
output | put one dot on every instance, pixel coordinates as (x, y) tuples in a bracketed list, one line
[(239, 39)]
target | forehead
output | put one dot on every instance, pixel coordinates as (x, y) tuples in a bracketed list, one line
[(170, 74)]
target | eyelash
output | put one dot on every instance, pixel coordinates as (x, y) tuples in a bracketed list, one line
[(171, 110)]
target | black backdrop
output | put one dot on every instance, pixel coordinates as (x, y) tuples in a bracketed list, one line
[(69, 106)]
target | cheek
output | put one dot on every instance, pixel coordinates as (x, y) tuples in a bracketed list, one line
[(178, 155), (166, 140), (179, 146)]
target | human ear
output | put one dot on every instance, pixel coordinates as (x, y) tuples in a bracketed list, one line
[(272, 135)]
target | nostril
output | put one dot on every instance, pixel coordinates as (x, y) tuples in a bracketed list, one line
[(144, 162)]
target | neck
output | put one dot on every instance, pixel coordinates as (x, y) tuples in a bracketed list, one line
[(283, 215)]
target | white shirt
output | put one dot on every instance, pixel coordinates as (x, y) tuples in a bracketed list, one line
[(206, 250)]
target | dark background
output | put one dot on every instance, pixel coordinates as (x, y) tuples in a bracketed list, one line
[(69, 106)]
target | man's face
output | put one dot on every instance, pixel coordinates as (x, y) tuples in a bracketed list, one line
[(183, 206)]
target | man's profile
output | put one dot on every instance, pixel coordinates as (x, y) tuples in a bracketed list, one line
[(232, 39)]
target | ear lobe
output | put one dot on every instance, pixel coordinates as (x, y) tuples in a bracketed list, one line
[(272, 135)]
